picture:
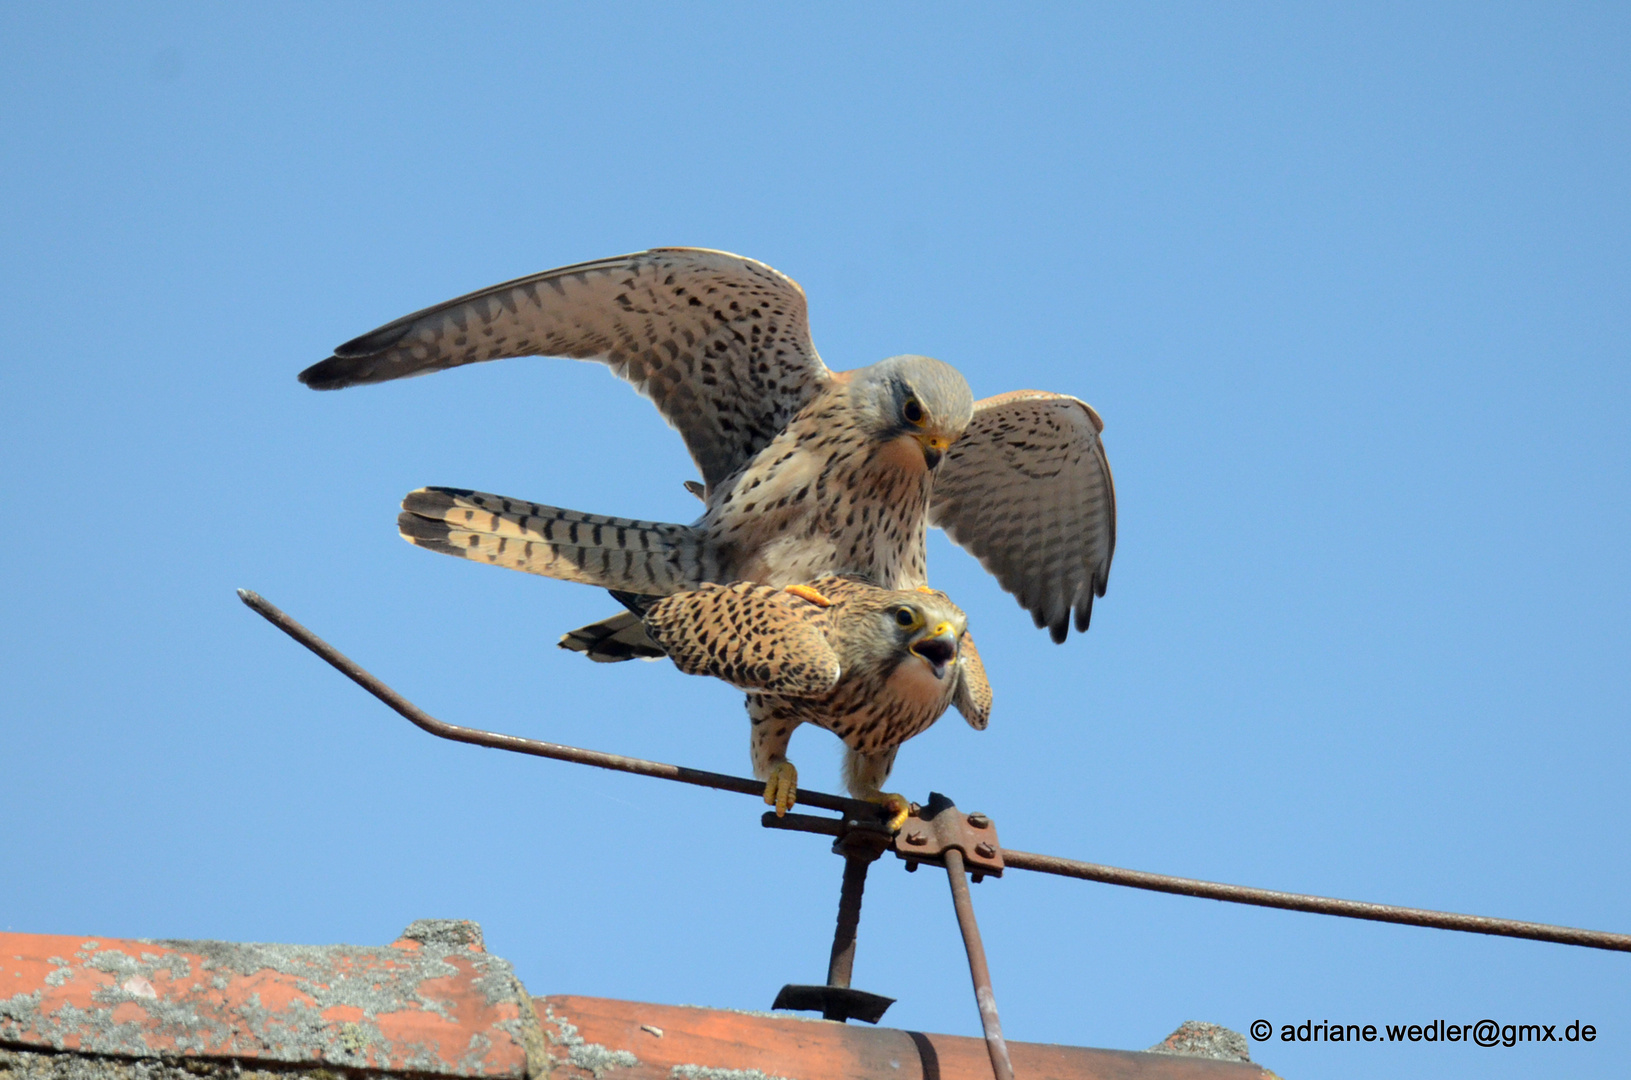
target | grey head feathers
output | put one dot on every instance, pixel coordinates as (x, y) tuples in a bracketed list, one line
[(910, 395)]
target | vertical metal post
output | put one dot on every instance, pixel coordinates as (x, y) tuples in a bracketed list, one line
[(842, 963), (837, 1000), (994, 1045)]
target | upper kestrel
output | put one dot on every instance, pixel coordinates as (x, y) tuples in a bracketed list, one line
[(806, 471)]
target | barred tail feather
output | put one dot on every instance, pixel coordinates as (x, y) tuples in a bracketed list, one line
[(614, 553)]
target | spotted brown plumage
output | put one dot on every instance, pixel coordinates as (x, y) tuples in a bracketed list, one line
[(873, 666), (806, 471)]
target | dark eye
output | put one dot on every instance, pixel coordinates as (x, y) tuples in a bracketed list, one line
[(905, 616), (913, 412)]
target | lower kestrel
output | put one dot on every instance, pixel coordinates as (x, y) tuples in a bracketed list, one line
[(873, 666)]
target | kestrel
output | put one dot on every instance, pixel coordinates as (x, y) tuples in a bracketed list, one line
[(805, 471), (873, 666)]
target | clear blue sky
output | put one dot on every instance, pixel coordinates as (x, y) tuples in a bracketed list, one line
[(1351, 289)]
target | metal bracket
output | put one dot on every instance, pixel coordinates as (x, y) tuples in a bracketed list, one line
[(861, 843), (934, 829)]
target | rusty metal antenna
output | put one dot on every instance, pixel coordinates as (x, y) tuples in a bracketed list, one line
[(937, 833), (861, 841)]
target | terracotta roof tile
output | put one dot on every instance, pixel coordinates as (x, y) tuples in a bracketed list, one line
[(433, 1003)]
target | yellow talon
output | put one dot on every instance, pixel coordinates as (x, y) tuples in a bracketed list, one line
[(807, 593), (897, 805), (781, 788)]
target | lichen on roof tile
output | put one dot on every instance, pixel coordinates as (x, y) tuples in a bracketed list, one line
[(444, 1007)]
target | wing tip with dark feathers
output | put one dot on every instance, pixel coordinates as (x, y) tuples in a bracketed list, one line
[(1084, 614), (335, 373), (375, 341), (354, 361), (1058, 626)]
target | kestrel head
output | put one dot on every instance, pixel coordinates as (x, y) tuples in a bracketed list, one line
[(914, 633), (914, 398)]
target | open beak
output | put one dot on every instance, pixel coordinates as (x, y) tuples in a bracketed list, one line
[(934, 448), (939, 649)]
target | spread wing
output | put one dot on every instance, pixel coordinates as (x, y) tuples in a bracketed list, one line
[(1027, 490), (721, 344), (752, 636)]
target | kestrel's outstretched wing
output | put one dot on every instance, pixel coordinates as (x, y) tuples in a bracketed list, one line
[(752, 636), (721, 344), (1027, 490)]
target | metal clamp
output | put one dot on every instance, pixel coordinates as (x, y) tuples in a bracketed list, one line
[(938, 827)]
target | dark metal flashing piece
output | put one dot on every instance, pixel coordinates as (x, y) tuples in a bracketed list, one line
[(839, 1003)]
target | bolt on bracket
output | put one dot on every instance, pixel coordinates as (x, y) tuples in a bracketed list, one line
[(938, 826)]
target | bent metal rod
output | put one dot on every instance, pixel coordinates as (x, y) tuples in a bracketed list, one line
[(1018, 860)]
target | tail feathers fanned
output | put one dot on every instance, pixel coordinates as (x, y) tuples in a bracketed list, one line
[(621, 637)]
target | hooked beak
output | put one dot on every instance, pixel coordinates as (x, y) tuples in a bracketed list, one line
[(934, 448), (939, 649)]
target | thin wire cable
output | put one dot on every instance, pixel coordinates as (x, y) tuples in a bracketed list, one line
[(862, 811)]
